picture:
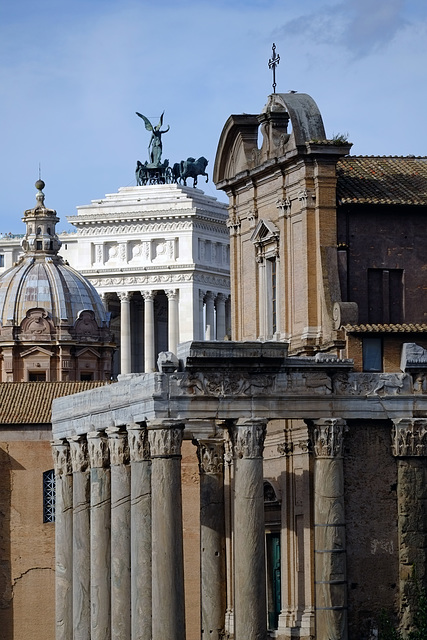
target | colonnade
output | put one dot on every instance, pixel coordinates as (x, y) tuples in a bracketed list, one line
[(211, 321), (119, 533)]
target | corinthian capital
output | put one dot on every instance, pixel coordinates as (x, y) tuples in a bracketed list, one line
[(210, 454), (139, 448), (165, 439), (118, 445), (248, 438), (79, 456), (61, 457), (409, 437), (97, 444), (328, 437)]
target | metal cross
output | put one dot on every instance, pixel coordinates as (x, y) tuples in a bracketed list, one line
[(272, 64)]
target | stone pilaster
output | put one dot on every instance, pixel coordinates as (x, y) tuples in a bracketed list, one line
[(409, 445), (250, 609), (141, 587), (329, 530), (125, 332), (165, 439), (120, 533), (149, 341), (81, 538), (212, 538), (100, 524), (63, 540)]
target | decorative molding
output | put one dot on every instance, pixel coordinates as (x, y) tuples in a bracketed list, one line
[(210, 455), (284, 206), (409, 437), (79, 454), (124, 296), (328, 437), (99, 455), (285, 448), (225, 384), (248, 438), (61, 457), (165, 441), (118, 445)]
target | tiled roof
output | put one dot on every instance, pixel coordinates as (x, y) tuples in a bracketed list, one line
[(31, 402), (386, 328), (382, 180)]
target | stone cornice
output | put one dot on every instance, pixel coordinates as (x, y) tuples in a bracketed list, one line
[(110, 278), (119, 228)]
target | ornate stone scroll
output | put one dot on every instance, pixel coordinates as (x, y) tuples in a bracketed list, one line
[(118, 443), (61, 457), (79, 454), (409, 437), (139, 449), (211, 456)]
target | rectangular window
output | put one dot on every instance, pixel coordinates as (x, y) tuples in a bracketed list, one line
[(372, 351), (86, 377), (273, 579), (49, 496), (37, 376), (1, 260)]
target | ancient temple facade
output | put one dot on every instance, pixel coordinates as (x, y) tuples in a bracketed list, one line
[(309, 426)]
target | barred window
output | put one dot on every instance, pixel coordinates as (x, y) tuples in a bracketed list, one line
[(49, 496)]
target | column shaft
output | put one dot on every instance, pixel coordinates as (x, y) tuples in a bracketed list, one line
[(210, 316), (100, 522), (250, 608), (168, 562), (141, 587), (81, 539), (63, 541), (120, 534), (173, 320), (220, 316), (149, 336), (125, 333), (212, 539), (329, 531)]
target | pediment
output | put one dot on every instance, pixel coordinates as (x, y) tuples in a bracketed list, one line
[(237, 147), (87, 351), (36, 350), (265, 232)]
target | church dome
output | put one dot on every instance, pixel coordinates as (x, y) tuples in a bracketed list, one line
[(53, 325), (43, 280)]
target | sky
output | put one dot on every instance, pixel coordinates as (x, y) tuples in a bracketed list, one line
[(73, 74)]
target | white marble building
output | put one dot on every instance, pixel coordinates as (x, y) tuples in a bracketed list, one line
[(159, 257)]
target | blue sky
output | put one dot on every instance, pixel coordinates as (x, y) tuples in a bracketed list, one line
[(73, 74)]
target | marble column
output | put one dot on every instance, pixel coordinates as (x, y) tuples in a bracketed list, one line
[(125, 332), (228, 316), (409, 440), (250, 607), (220, 316), (141, 589), (329, 530), (212, 538), (63, 540), (120, 533), (81, 538), (210, 315), (165, 439), (173, 320), (149, 335), (100, 522), (201, 327)]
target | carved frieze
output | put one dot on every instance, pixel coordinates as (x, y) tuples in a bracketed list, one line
[(61, 457), (328, 437), (372, 384), (211, 456), (409, 437), (225, 384), (166, 442), (79, 454), (98, 451), (248, 438)]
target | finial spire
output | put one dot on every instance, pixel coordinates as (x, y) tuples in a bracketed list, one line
[(272, 64)]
